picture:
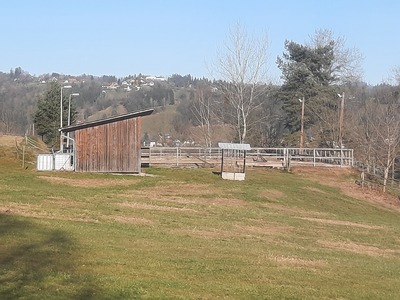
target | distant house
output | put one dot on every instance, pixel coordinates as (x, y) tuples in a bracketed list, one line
[(108, 145)]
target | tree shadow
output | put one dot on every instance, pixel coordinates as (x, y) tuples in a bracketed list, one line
[(38, 262)]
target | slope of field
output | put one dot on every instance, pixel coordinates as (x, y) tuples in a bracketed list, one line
[(188, 234)]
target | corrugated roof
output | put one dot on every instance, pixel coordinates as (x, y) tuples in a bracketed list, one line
[(232, 146), (107, 120)]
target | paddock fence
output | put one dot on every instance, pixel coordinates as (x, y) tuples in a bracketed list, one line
[(256, 157)]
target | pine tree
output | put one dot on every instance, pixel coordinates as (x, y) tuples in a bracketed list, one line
[(47, 114)]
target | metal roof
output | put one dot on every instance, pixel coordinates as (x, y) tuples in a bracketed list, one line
[(232, 146), (107, 120)]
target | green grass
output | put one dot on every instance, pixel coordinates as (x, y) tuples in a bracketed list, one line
[(187, 234)]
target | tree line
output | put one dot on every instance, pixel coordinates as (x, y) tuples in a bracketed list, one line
[(320, 102)]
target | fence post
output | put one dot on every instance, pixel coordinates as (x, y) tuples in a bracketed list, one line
[(314, 153), (149, 156)]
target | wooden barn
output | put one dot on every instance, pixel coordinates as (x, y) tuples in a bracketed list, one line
[(107, 145)]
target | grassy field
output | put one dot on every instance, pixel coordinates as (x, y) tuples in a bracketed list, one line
[(187, 234)]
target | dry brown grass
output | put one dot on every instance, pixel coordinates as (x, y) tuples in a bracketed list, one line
[(370, 250), (10, 140), (130, 220), (36, 211), (297, 262), (89, 183), (294, 211), (271, 194), (145, 206), (342, 178), (342, 223)]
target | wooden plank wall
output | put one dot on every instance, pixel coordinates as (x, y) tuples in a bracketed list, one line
[(112, 147)]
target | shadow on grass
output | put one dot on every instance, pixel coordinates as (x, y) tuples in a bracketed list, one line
[(38, 262)]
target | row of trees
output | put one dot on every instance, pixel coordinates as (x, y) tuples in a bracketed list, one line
[(339, 111)]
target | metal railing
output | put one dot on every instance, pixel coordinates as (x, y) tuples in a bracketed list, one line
[(267, 157)]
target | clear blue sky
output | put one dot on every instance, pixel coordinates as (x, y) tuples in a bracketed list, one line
[(163, 37)]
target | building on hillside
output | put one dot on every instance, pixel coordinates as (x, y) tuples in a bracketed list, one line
[(107, 145)]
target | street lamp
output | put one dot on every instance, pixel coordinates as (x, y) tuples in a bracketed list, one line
[(69, 113), (302, 124), (341, 116), (61, 114)]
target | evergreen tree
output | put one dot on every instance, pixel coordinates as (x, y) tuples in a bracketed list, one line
[(307, 73), (47, 115)]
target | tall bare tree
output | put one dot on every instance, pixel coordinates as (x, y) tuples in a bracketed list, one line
[(376, 133), (203, 110), (346, 64), (242, 66)]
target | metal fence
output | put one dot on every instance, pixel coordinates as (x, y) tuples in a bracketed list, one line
[(256, 157)]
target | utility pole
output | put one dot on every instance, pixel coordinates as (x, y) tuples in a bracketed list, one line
[(341, 116), (302, 124)]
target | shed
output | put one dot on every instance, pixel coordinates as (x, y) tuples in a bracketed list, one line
[(233, 164), (107, 145)]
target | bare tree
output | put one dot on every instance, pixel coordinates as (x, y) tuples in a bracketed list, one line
[(203, 110), (242, 66), (377, 136), (346, 65)]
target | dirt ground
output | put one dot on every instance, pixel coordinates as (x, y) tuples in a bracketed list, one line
[(344, 178)]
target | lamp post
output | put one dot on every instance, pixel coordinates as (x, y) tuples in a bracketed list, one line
[(341, 116), (69, 113), (302, 124), (61, 115)]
